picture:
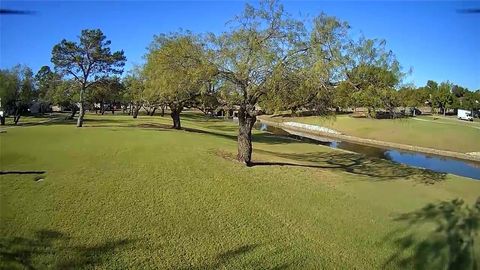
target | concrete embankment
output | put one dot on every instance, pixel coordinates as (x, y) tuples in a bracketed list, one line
[(383, 144)]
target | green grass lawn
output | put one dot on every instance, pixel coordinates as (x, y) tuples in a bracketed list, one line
[(439, 133), (123, 193)]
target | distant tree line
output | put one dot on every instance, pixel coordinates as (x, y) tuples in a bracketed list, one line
[(439, 97), (267, 61)]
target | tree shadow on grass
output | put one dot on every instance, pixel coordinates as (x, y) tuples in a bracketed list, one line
[(18, 252), (47, 122), (22, 172), (438, 236), (375, 168), (223, 127), (256, 138), (93, 256), (22, 253), (65, 120), (126, 123), (200, 117), (226, 258)]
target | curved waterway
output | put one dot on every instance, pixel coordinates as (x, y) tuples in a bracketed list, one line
[(432, 162)]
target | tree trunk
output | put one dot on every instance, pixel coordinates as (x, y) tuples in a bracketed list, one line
[(112, 106), (245, 125), (81, 115), (175, 114), (16, 116), (391, 110), (74, 111), (135, 110), (102, 107), (82, 108), (163, 111), (153, 111)]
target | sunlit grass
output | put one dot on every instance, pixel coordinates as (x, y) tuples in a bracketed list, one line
[(125, 193), (425, 131)]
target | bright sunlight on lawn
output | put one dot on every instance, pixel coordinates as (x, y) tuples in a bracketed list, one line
[(134, 194), (441, 133)]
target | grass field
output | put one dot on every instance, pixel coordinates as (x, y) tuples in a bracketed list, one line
[(440, 133), (123, 193)]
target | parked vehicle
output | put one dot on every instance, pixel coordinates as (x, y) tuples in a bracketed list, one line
[(464, 115)]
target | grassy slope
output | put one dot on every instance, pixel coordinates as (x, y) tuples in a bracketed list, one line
[(118, 197), (442, 133)]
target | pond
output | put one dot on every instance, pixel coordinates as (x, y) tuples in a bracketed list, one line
[(427, 161)]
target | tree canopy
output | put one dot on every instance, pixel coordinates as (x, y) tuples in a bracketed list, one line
[(87, 62), (176, 71), (17, 90)]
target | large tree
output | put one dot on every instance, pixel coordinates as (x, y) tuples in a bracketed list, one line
[(176, 71), (87, 62), (64, 93), (411, 97), (262, 41), (443, 97), (471, 101), (17, 91), (309, 78), (44, 79), (9, 87), (372, 72), (107, 92), (374, 87), (134, 93)]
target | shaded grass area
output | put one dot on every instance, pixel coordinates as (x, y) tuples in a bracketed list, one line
[(352, 163), (20, 252), (30, 120), (452, 244), (124, 193), (441, 133)]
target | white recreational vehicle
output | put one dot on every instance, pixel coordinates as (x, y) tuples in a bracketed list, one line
[(464, 115)]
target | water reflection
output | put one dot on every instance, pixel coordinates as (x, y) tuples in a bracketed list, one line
[(415, 159)]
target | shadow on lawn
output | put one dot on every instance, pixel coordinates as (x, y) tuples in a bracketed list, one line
[(441, 236), (22, 253), (126, 123), (65, 120), (256, 138), (377, 169), (235, 255), (22, 172)]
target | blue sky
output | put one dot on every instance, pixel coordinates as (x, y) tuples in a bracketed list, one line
[(434, 39)]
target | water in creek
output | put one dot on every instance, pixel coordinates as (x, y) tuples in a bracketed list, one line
[(432, 162)]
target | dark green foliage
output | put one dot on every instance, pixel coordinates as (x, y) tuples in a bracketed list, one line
[(87, 62), (177, 72), (17, 90)]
